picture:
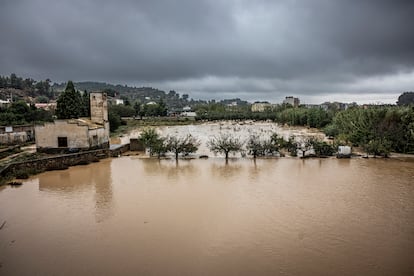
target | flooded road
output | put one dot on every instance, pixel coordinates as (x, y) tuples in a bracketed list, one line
[(131, 216)]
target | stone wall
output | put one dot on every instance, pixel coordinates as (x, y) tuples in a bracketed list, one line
[(55, 162), (136, 145), (119, 150)]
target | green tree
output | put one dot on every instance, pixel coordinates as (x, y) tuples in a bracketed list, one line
[(86, 104), (150, 139), (255, 146), (162, 108), (43, 87), (19, 107), (137, 108), (305, 145), (290, 145), (126, 100), (183, 145), (69, 103), (15, 81), (21, 111), (8, 118), (331, 130), (225, 144), (39, 115), (42, 99), (378, 147), (114, 120), (159, 147), (322, 148), (123, 110), (360, 126), (406, 98)]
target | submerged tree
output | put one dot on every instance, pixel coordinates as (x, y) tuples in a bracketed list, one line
[(255, 146), (261, 147), (159, 147), (322, 148), (225, 144), (305, 145), (378, 147), (290, 145), (150, 139), (183, 145)]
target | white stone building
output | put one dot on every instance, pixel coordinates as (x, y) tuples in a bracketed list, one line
[(77, 134)]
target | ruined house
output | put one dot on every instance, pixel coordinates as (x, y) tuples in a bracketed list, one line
[(71, 135), (14, 135)]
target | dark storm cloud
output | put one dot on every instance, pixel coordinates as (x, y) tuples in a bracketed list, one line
[(258, 49)]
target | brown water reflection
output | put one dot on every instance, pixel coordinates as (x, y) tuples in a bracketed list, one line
[(82, 181), (285, 216)]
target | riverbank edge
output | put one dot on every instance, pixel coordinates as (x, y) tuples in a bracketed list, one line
[(26, 168)]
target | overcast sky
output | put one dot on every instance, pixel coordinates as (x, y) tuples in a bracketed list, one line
[(317, 50)]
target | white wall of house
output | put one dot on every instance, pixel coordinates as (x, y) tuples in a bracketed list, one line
[(47, 134), (97, 137)]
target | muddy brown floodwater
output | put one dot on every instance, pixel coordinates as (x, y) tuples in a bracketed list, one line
[(130, 216)]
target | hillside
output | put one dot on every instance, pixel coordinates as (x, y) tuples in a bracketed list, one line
[(42, 91), (141, 94)]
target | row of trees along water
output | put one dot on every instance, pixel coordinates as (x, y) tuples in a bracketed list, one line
[(378, 129), (227, 144)]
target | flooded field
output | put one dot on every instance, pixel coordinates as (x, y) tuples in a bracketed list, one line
[(240, 130), (131, 216)]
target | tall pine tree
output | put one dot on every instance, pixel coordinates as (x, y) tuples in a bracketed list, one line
[(86, 109), (69, 103)]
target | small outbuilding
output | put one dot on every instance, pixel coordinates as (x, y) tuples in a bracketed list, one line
[(14, 135)]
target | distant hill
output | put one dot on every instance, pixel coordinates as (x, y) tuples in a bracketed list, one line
[(42, 91), (142, 94), (122, 90)]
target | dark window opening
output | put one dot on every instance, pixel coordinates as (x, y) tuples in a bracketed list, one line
[(62, 142), (95, 140)]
